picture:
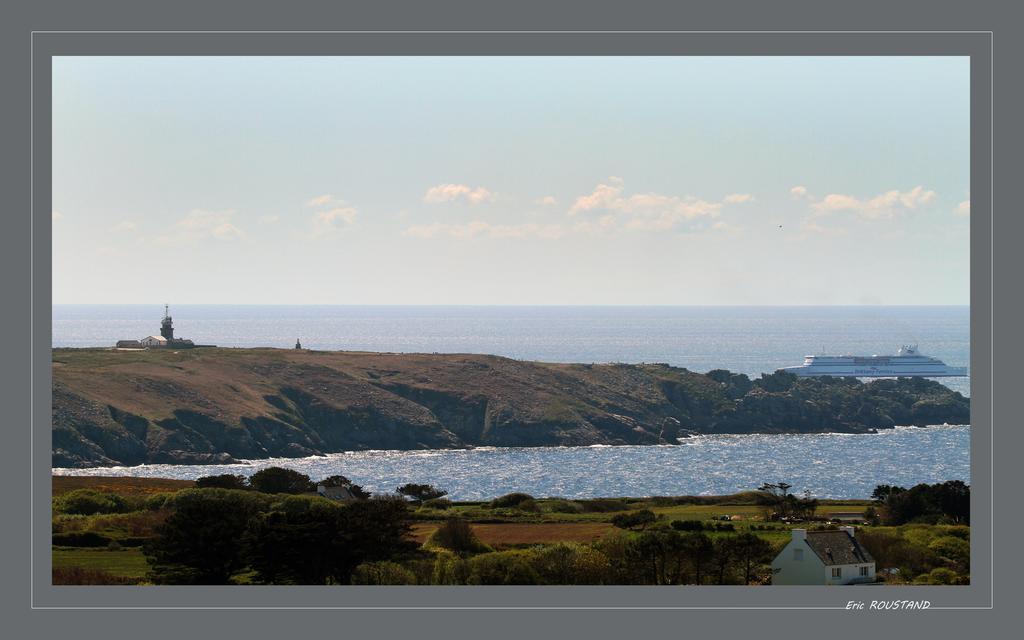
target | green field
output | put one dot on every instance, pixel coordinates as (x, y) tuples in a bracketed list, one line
[(127, 563)]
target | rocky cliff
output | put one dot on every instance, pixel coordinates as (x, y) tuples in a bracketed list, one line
[(215, 405)]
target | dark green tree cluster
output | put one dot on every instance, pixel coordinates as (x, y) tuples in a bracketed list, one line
[(277, 480), (947, 502), (213, 534)]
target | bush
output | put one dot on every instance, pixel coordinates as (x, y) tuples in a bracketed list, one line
[(450, 569), (158, 501), (80, 539), (571, 563), (504, 567), (687, 525), (509, 500), (438, 503), (87, 502), (604, 505), (281, 480), (634, 519), (529, 505), (378, 573), (458, 536), (940, 575), (223, 481), (564, 506)]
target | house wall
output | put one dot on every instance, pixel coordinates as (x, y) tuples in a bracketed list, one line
[(811, 570), (851, 573), (786, 570)]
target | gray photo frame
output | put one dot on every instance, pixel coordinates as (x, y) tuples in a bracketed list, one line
[(43, 41)]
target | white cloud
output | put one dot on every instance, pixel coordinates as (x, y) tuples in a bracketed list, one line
[(456, 192), (327, 221), (201, 223), (320, 201), (885, 205), (738, 198), (799, 192), (56, 215), (269, 219), (126, 225), (964, 208), (546, 201), (481, 229), (334, 214), (651, 211)]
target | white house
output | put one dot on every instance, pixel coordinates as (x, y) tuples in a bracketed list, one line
[(823, 557), (154, 341)]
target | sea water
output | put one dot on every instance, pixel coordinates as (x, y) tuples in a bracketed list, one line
[(828, 465), (750, 340)]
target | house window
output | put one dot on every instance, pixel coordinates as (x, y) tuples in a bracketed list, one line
[(798, 554), (864, 571), (837, 572)]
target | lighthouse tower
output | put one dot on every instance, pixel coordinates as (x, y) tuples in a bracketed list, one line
[(166, 328)]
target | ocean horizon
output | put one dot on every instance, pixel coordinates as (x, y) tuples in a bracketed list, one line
[(743, 339)]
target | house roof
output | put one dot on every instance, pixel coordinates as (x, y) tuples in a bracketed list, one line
[(837, 547), (338, 493)]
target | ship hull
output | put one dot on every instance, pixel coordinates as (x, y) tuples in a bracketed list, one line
[(948, 372)]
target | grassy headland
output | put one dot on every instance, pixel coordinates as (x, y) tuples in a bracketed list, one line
[(214, 405)]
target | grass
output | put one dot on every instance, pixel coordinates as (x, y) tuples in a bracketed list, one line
[(123, 486), (127, 563)]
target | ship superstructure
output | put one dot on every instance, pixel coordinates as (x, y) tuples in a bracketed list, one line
[(907, 363)]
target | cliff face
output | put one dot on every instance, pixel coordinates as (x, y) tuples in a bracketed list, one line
[(215, 405)]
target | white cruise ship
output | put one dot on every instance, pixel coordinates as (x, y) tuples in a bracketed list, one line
[(907, 363)]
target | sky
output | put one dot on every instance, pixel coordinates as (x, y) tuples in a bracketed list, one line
[(511, 180)]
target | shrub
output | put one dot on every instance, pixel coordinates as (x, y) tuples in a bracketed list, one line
[(504, 567), (940, 575), (80, 539), (634, 519), (687, 525), (564, 506), (158, 501), (450, 569), (378, 573), (438, 503), (604, 505), (571, 563), (509, 500), (223, 481), (529, 505), (88, 502), (281, 480), (458, 536)]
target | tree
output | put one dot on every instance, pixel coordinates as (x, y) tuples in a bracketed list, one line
[(293, 547), (369, 531), (421, 492), (723, 557), (281, 480), (750, 551), (199, 542), (699, 551), (223, 481)]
